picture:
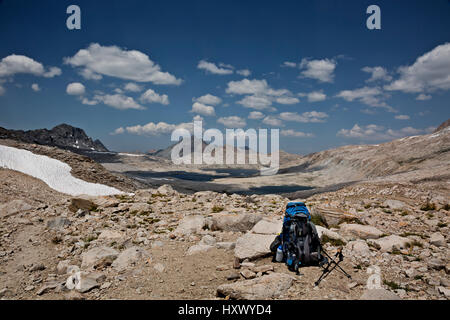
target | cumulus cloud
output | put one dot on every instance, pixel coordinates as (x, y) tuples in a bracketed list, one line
[(372, 96), (208, 99), (256, 115), (202, 109), (133, 87), (118, 101), (289, 64), (311, 116), (402, 117), (15, 64), (75, 89), (152, 128), (297, 134), (244, 72), (375, 132), (232, 122), (259, 94), (321, 70), (314, 96), (211, 67), (256, 102), (35, 87), (150, 96), (428, 73), (377, 73), (98, 60), (423, 97), (272, 121)]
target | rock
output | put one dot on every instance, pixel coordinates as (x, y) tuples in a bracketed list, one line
[(97, 255), (110, 235), (78, 203), (436, 264), (234, 222), (263, 269), (166, 190), (190, 224), (226, 245), (58, 223), (140, 207), (353, 231), (248, 274), (13, 207), (394, 204), (84, 281), (208, 240), (247, 264), (444, 291), (321, 231), (129, 257), (73, 295), (159, 267), (379, 294), (358, 248), (233, 276), (46, 287), (387, 244), (437, 239), (265, 287), (37, 267), (5, 292), (198, 248), (410, 273), (62, 266), (222, 267), (268, 227), (252, 246)]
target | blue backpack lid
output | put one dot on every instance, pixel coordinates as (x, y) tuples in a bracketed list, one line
[(296, 209)]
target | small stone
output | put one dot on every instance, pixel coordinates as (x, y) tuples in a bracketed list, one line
[(222, 267), (159, 267), (437, 239), (37, 267), (233, 276), (247, 274)]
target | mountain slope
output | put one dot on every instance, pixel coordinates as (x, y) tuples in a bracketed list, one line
[(62, 136)]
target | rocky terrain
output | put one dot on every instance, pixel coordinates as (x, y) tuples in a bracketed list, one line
[(62, 136), (158, 243)]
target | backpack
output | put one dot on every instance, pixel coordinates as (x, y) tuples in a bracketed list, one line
[(299, 241)]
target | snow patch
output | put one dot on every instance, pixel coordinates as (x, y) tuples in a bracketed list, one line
[(54, 173)]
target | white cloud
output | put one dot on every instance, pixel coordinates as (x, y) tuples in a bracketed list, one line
[(15, 64), (202, 109), (208, 99), (150, 96), (213, 68), (256, 115), (118, 101), (256, 102), (246, 86), (375, 132), (232, 122), (75, 89), (89, 102), (244, 72), (429, 72), (293, 133), (287, 100), (133, 87), (312, 116), (289, 64), (152, 128), (372, 96), (402, 117), (377, 73), (35, 87), (273, 121), (113, 61), (314, 96), (423, 97), (321, 70)]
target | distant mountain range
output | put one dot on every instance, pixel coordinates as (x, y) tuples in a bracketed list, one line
[(62, 136)]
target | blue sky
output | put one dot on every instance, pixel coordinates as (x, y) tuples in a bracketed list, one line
[(138, 69)]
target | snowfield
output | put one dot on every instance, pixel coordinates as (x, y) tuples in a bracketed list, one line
[(54, 173)]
